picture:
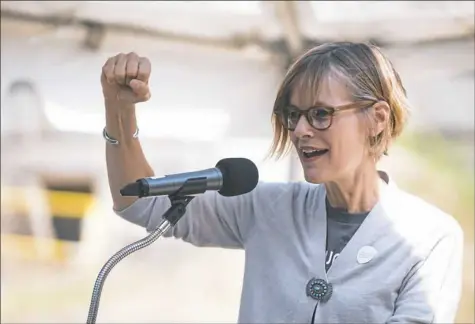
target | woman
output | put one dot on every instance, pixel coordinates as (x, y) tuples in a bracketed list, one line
[(348, 246)]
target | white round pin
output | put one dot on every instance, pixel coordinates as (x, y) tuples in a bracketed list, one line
[(366, 254)]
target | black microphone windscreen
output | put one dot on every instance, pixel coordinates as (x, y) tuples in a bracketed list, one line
[(240, 176)]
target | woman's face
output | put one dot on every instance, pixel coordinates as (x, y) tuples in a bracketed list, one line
[(342, 148)]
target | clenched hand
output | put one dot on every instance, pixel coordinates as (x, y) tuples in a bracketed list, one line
[(125, 79)]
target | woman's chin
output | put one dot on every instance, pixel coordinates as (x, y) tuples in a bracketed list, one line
[(314, 177)]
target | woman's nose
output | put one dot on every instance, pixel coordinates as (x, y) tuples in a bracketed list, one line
[(303, 128)]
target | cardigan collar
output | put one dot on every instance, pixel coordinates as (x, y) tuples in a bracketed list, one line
[(373, 227)]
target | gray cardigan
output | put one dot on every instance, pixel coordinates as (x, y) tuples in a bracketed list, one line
[(413, 275)]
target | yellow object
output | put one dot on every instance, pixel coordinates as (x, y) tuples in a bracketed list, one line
[(67, 207), (69, 204)]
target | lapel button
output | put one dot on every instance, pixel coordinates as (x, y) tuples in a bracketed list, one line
[(366, 254)]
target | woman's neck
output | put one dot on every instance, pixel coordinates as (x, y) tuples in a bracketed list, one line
[(356, 193)]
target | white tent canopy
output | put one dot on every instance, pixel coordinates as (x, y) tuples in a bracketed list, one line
[(393, 21)]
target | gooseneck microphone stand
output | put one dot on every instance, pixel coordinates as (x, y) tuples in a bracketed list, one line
[(179, 201)]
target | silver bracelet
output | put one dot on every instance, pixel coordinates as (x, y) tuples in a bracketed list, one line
[(113, 141)]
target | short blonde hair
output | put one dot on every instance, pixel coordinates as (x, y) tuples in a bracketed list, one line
[(370, 75)]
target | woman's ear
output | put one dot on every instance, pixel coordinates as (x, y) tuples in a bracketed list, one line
[(381, 117)]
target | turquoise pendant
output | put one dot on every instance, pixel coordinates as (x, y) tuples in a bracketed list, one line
[(319, 289)]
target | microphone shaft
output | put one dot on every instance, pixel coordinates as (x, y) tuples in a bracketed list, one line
[(116, 258), (170, 218)]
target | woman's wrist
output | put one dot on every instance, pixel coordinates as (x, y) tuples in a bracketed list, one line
[(121, 122), (118, 107)]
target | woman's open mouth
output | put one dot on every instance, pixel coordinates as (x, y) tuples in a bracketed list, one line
[(311, 152)]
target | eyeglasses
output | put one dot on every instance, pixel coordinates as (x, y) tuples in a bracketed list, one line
[(320, 118)]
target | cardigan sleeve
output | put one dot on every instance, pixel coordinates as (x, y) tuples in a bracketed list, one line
[(211, 220), (431, 291)]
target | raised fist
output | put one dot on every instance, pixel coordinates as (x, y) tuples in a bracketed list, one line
[(125, 78)]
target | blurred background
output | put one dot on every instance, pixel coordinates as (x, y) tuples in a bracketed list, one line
[(216, 69)]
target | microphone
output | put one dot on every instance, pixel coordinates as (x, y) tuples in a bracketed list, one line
[(230, 177)]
